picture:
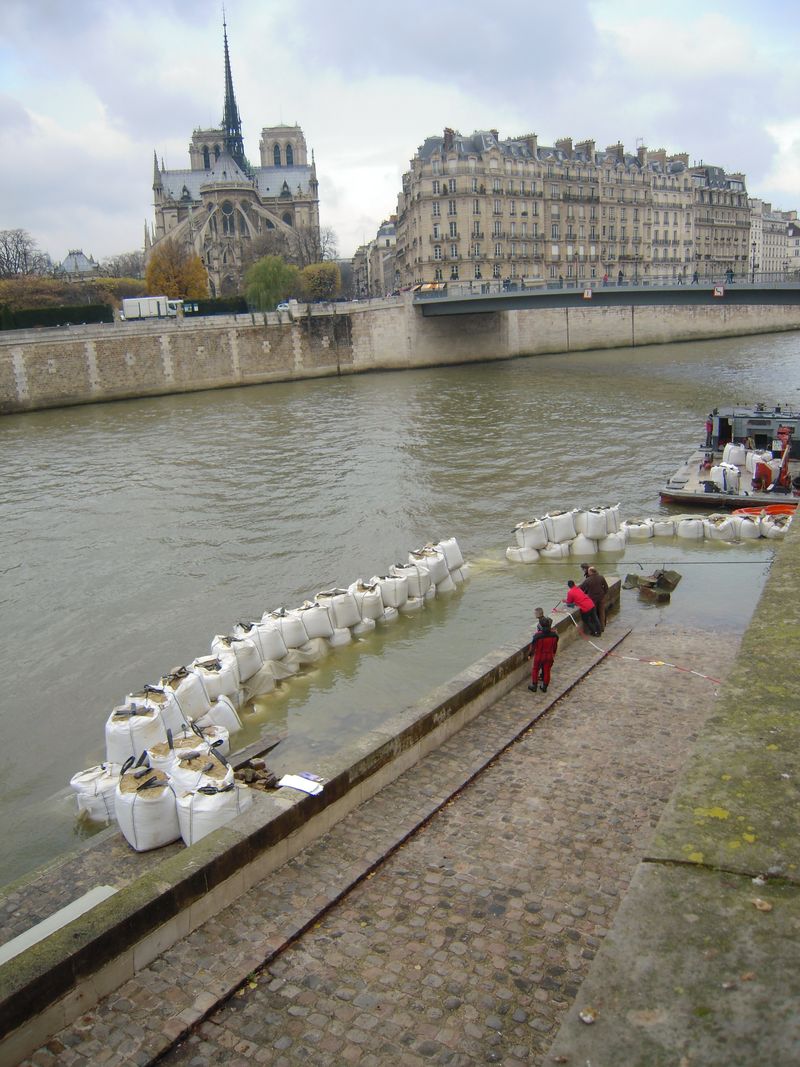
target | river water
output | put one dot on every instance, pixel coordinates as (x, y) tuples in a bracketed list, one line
[(131, 533)]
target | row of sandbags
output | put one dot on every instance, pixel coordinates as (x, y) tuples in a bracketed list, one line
[(585, 533), (202, 698)]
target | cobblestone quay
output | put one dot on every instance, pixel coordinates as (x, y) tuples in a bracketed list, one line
[(468, 943)]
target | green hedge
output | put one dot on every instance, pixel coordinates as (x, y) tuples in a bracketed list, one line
[(75, 315)]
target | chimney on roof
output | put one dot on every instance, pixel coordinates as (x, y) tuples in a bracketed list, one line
[(532, 141), (679, 157), (658, 155), (641, 154), (496, 135), (564, 145), (616, 151), (449, 139), (587, 148)]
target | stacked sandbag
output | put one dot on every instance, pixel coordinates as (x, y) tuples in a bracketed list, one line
[(94, 791), (144, 803)]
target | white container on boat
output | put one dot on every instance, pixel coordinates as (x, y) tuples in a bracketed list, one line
[(247, 653), (130, 730), (394, 589), (663, 527), (560, 526), (726, 477), (340, 636), (289, 625), (219, 675), (418, 577), (451, 552), (433, 560), (447, 585), (341, 605), (222, 713), (690, 528), (555, 550), (316, 619), (531, 534), (145, 810), (612, 542), (200, 813), (369, 601), (94, 791), (637, 529), (582, 545), (733, 453)]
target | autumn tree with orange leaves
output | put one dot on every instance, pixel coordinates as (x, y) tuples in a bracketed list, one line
[(176, 273)]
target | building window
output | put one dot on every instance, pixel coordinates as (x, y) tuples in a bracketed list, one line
[(437, 274), (436, 209), (435, 187), (454, 251), (451, 207), (553, 270), (476, 207), (554, 192), (289, 156), (474, 185), (498, 250), (436, 166), (513, 207), (496, 270), (476, 228), (554, 231), (437, 231), (276, 155), (478, 270), (454, 229), (513, 230), (498, 208), (476, 250), (454, 273), (451, 185), (206, 157), (437, 251), (554, 251), (496, 187)]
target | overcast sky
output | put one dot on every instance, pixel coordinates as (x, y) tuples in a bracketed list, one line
[(88, 89)]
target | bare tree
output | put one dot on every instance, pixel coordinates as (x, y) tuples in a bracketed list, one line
[(302, 247), (19, 255), (125, 265)]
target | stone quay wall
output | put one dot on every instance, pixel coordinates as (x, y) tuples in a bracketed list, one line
[(90, 364)]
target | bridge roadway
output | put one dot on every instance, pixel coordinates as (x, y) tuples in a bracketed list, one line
[(466, 302)]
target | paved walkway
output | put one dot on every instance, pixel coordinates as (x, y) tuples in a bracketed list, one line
[(470, 941)]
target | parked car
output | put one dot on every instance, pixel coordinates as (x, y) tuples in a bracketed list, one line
[(283, 306)]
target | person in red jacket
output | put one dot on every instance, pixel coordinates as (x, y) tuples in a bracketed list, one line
[(576, 596), (543, 649)]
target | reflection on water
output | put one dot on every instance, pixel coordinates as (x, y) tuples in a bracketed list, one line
[(131, 533)]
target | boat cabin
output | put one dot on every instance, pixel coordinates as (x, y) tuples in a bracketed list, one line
[(756, 427)]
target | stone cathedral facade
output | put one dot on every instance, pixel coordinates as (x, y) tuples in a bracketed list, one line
[(221, 204)]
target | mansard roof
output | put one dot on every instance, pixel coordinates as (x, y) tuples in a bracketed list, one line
[(266, 181)]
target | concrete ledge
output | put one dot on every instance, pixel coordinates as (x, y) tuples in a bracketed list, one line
[(50, 984), (693, 971)]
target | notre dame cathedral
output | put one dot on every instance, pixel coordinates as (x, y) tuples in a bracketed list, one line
[(221, 205)]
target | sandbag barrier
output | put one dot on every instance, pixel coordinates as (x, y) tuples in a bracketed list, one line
[(166, 775), (585, 533)]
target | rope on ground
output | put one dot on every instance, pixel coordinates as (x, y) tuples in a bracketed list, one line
[(632, 659)]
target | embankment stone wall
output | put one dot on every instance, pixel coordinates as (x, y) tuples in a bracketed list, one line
[(79, 365)]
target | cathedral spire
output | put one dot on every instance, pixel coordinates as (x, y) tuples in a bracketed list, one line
[(231, 123)]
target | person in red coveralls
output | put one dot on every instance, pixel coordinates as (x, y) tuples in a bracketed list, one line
[(543, 649), (581, 600)]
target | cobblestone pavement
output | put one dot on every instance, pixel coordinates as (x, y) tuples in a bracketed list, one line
[(470, 941)]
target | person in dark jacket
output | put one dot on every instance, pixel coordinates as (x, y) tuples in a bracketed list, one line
[(585, 604), (544, 644), (595, 586)]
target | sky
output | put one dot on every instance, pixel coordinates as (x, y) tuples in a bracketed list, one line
[(88, 91)]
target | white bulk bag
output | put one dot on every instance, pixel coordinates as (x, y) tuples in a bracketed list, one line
[(189, 692), (364, 627), (206, 810), (270, 640), (145, 810), (340, 636), (188, 774), (433, 560), (637, 529), (554, 550), (130, 730), (394, 590), (750, 528), (342, 607), (531, 534), (219, 675), (155, 696), (733, 453), (521, 555), (690, 528), (418, 577), (316, 619), (582, 545), (94, 791), (775, 525), (412, 605), (290, 626), (451, 552), (592, 523), (447, 585), (726, 477), (367, 596), (245, 649), (464, 571), (612, 542), (221, 713), (164, 755), (721, 528), (612, 518), (663, 527), (560, 526), (389, 615)]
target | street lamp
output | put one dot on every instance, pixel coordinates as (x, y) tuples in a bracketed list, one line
[(753, 264)]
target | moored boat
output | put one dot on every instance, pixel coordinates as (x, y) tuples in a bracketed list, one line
[(751, 458)]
